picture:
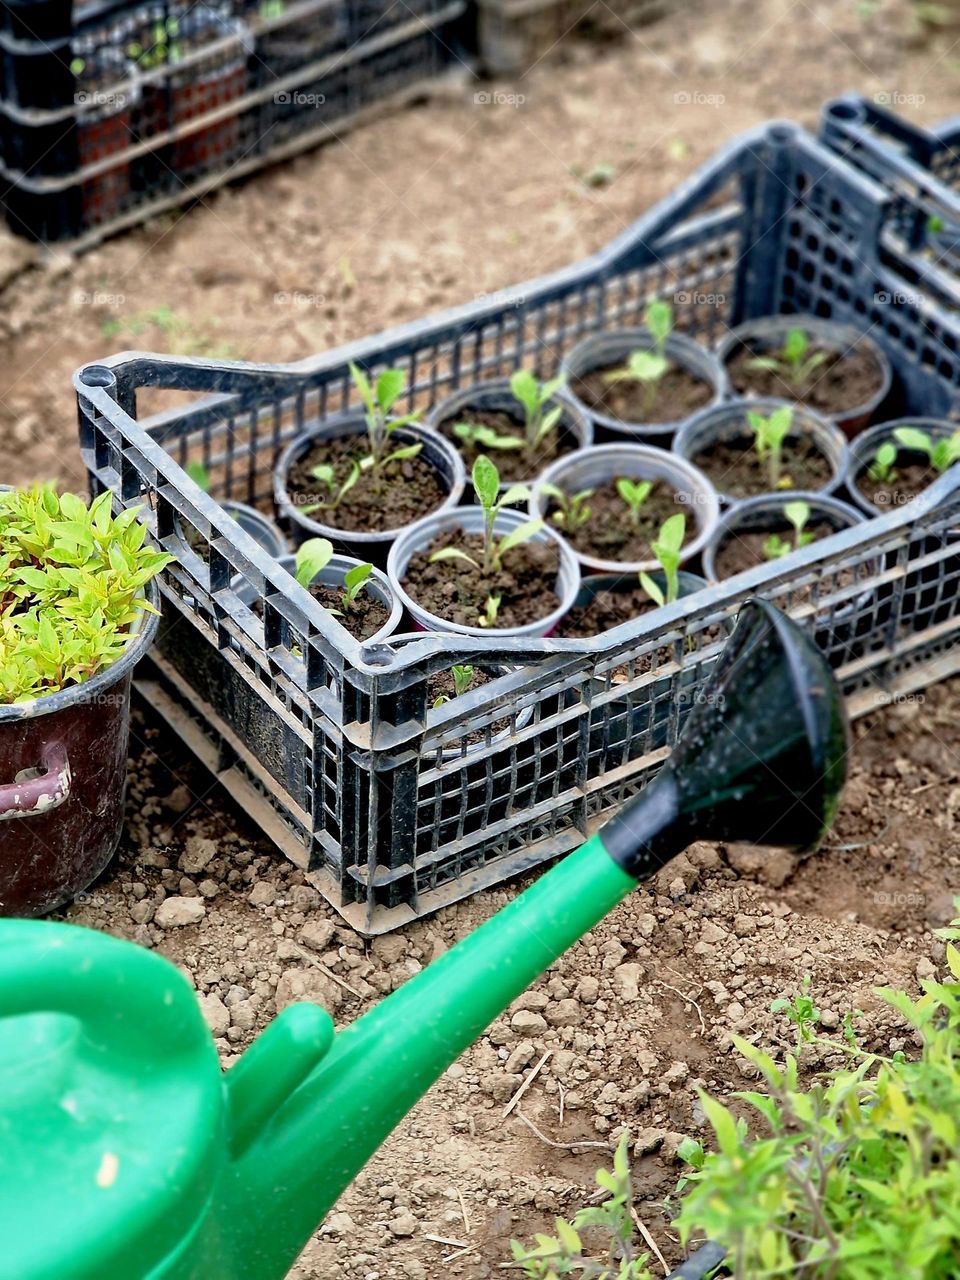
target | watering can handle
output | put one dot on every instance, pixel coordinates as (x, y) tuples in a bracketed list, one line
[(33, 796)]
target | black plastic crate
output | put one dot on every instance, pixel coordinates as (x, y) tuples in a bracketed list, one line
[(113, 112), (333, 748), (921, 170)]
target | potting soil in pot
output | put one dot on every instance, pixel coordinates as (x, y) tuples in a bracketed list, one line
[(745, 551), (362, 618), (457, 591), (735, 469), (512, 464), (441, 685), (842, 381), (911, 479), (402, 493), (610, 533), (679, 393)]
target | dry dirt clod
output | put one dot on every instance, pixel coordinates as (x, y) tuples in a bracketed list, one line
[(175, 913)]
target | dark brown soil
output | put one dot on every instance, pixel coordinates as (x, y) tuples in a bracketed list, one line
[(607, 609), (441, 685), (514, 465), (744, 550), (910, 481), (362, 619), (406, 491), (610, 534), (679, 394), (457, 592), (734, 468), (844, 381)]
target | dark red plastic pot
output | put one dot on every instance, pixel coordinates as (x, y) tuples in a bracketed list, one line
[(199, 90), (63, 772)]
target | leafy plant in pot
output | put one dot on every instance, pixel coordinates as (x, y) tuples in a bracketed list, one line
[(893, 462), (355, 594), (609, 501), (360, 480), (751, 447), (76, 606), (643, 382), (832, 368), (486, 569), (523, 423)]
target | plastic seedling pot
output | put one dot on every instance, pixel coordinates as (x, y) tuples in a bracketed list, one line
[(200, 89), (471, 520), (607, 462), (727, 424), (178, 1171), (767, 335), (63, 764), (613, 348), (863, 450), (331, 575), (105, 130), (366, 545), (765, 515), (253, 522), (574, 428)]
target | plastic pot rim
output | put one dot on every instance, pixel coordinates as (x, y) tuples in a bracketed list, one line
[(706, 504), (418, 536)]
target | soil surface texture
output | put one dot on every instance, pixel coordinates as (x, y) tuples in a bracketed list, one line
[(611, 534), (457, 591), (679, 393), (400, 493), (840, 383)]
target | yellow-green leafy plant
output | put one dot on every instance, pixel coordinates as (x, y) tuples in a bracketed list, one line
[(881, 470), (312, 558), (634, 493), (610, 1223), (72, 581), (857, 1175), (539, 418), (462, 676), (795, 363)]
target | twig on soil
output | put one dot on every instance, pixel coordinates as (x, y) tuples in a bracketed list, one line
[(463, 1211), (327, 973), (688, 999), (650, 1242), (563, 1097), (456, 1244), (526, 1085), (563, 1146)]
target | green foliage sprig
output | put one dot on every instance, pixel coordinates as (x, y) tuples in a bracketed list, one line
[(312, 558), (768, 437), (795, 363), (666, 551), (798, 514), (486, 483), (940, 453), (72, 582), (649, 367), (881, 470), (573, 509)]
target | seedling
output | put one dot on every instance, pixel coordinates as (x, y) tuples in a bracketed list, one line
[(477, 435), (634, 493), (324, 474), (314, 555), (573, 509), (491, 611), (649, 367), (486, 484), (940, 453), (775, 547), (795, 363), (768, 437), (379, 400), (881, 469), (534, 397), (71, 588), (462, 677), (666, 551)]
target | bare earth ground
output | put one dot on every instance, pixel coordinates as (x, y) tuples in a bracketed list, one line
[(434, 207)]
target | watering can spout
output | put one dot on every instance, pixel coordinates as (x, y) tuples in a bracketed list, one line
[(277, 1139)]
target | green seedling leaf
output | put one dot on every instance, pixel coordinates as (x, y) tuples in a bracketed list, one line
[(354, 580), (313, 556), (881, 469), (658, 318), (518, 536), (486, 482), (490, 611), (462, 679), (479, 436), (452, 553), (390, 385), (634, 493)]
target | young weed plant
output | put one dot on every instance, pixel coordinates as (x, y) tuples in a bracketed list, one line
[(462, 677), (564, 1254), (798, 514), (649, 367), (573, 509), (666, 551), (794, 363), (858, 1175), (312, 558), (768, 437), (486, 484), (941, 454), (539, 418), (72, 582)]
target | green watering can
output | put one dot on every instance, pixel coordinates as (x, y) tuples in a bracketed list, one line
[(125, 1153)]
